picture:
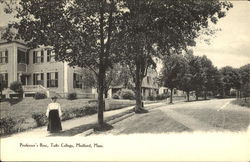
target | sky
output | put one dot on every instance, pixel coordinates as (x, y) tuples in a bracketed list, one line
[(229, 47)]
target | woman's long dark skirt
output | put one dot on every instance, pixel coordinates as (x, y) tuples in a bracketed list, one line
[(54, 122)]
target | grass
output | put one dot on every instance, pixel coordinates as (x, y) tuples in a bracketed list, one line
[(229, 119), (21, 111), (242, 102), (146, 123)]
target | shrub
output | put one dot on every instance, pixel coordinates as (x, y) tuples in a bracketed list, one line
[(40, 119), (39, 95), (16, 86), (161, 96), (72, 96), (6, 125), (91, 109), (115, 96), (79, 112), (151, 98), (128, 94)]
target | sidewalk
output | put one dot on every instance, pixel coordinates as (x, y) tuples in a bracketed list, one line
[(80, 125)]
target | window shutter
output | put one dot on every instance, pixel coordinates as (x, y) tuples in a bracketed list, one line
[(27, 57), (34, 79), (41, 76), (48, 79), (34, 57), (48, 55), (42, 54), (6, 79), (42, 79), (74, 80), (6, 55), (56, 77)]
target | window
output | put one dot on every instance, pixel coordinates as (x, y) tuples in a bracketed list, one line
[(38, 56), (38, 79), (21, 56), (4, 80), (52, 79), (4, 57), (50, 55), (77, 81)]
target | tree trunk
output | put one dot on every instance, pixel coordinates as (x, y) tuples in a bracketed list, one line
[(196, 96), (187, 95), (101, 78), (138, 84), (102, 69), (171, 96), (205, 95)]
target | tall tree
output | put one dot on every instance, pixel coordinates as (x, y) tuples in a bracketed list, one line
[(230, 79), (244, 72), (116, 76), (152, 28), (79, 31), (208, 73), (172, 71)]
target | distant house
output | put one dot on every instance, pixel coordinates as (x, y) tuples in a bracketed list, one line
[(38, 71), (149, 85)]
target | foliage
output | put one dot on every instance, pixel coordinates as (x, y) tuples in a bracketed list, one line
[(242, 102), (72, 96), (115, 96), (6, 125), (244, 73), (40, 119), (230, 79), (151, 98), (116, 76), (146, 31), (80, 33), (127, 94), (16, 86), (2, 84), (92, 33), (161, 96), (39, 95)]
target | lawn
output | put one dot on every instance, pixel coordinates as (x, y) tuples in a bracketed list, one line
[(16, 115), (242, 102), (228, 119), (146, 123)]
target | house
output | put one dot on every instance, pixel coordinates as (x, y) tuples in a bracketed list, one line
[(38, 71), (149, 85)]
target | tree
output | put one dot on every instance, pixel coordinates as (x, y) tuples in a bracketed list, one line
[(153, 28), (172, 71), (16, 86), (2, 84), (195, 72), (208, 73), (186, 80), (114, 77), (80, 32), (244, 72), (230, 79)]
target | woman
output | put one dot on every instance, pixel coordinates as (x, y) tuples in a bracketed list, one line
[(54, 115)]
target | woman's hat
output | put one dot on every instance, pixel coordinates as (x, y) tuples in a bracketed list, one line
[(54, 98)]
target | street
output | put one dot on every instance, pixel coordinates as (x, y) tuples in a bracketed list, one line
[(211, 115)]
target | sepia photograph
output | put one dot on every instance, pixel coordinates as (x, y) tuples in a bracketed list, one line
[(125, 80)]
